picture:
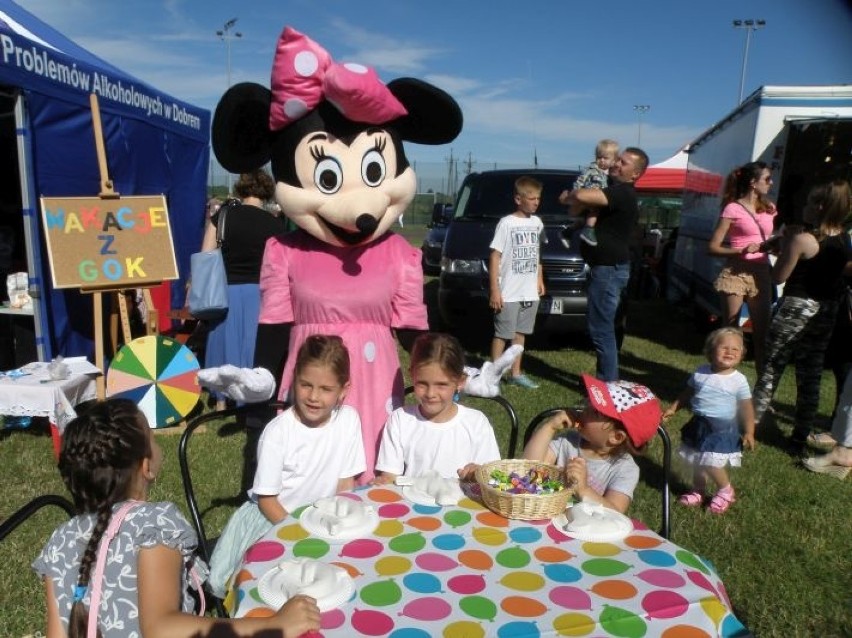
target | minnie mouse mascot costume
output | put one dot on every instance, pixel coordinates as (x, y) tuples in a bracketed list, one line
[(333, 133)]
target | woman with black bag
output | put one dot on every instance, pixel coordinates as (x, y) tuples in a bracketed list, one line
[(231, 339)]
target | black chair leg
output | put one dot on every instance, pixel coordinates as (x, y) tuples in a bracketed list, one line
[(253, 432), (242, 415), (665, 530)]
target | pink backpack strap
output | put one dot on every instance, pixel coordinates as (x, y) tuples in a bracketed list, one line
[(199, 587), (96, 581)]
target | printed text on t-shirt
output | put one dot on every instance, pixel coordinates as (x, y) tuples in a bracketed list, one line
[(524, 251)]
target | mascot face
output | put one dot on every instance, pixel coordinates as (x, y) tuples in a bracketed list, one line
[(334, 134), (347, 192)]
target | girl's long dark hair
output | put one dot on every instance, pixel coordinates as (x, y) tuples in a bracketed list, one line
[(102, 450), (738, 184)]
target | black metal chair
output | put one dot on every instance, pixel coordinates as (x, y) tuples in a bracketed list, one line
[(188, 489), (24, 513), (227, 416), (665, 528), (514, 425)]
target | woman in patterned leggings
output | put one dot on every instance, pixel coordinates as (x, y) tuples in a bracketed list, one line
[(811, 264)]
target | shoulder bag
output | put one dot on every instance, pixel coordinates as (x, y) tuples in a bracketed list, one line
[(208, 292)]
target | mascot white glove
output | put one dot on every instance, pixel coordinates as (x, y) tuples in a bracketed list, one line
[(485, 382), (245, 385)]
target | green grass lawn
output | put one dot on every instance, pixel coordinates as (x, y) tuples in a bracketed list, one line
[(782, 550)]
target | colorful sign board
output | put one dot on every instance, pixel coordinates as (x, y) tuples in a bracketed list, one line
[(113, 243)]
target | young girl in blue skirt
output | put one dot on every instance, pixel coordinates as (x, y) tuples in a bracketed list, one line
[(722, 419)]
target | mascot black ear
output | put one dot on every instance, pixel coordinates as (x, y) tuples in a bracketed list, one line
[(433, 116), (242, 141)]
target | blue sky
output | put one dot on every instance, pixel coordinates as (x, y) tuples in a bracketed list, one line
[(547, 77)]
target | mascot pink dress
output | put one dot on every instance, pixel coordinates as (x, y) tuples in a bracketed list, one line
[(333, 133)]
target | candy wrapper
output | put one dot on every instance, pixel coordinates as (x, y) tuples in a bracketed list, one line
[(533, 482)]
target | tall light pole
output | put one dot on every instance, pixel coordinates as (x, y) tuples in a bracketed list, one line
[(749, 26), (227, 34), (640, 109)]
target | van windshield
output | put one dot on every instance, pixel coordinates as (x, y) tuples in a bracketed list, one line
[(491, 196)]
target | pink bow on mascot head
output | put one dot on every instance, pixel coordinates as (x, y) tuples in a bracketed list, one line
[(303, 74)]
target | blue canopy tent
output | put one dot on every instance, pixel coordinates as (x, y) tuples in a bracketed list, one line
[(155, 144)]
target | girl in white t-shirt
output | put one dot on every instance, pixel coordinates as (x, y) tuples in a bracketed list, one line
[(310, 451), (436, 434)]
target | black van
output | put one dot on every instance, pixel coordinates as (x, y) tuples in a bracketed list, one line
[(433, 243), (482, 200)]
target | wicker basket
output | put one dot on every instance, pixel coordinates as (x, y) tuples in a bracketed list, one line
[(527, 507)]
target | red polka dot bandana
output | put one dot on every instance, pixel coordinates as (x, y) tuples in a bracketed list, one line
[(631, 403), (303, 74)]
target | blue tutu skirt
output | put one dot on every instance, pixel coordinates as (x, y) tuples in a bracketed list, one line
[(711, 441)]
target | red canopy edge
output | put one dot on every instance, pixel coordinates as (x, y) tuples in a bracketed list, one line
[(662, 179)]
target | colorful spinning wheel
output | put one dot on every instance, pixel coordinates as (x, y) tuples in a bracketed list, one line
[(160, 375)]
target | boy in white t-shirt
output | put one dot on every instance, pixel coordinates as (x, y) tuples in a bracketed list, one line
[(515, 276)]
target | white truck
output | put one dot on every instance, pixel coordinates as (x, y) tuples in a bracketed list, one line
[(804, 134)]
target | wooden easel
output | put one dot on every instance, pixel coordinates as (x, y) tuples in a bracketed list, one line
[(119, 300), (120, 317)]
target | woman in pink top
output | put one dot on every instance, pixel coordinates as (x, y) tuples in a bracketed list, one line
[(747, 221)]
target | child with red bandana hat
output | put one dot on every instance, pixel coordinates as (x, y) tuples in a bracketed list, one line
[(595, 445)]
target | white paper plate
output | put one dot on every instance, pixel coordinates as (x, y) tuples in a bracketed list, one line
[(613, 526), (420, 497), (313, 520), (332, 586)]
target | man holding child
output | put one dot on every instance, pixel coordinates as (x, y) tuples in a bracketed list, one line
[(609, 260)]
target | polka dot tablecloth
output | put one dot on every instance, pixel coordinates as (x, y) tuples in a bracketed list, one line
[(465, 572)]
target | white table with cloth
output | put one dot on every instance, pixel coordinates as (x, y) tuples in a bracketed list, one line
[(29, 391), (463, 571)]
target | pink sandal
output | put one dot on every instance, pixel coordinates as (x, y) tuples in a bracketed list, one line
[(722, 500), (691, 499)]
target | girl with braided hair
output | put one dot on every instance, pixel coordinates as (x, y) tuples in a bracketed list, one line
[(149, 581)]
